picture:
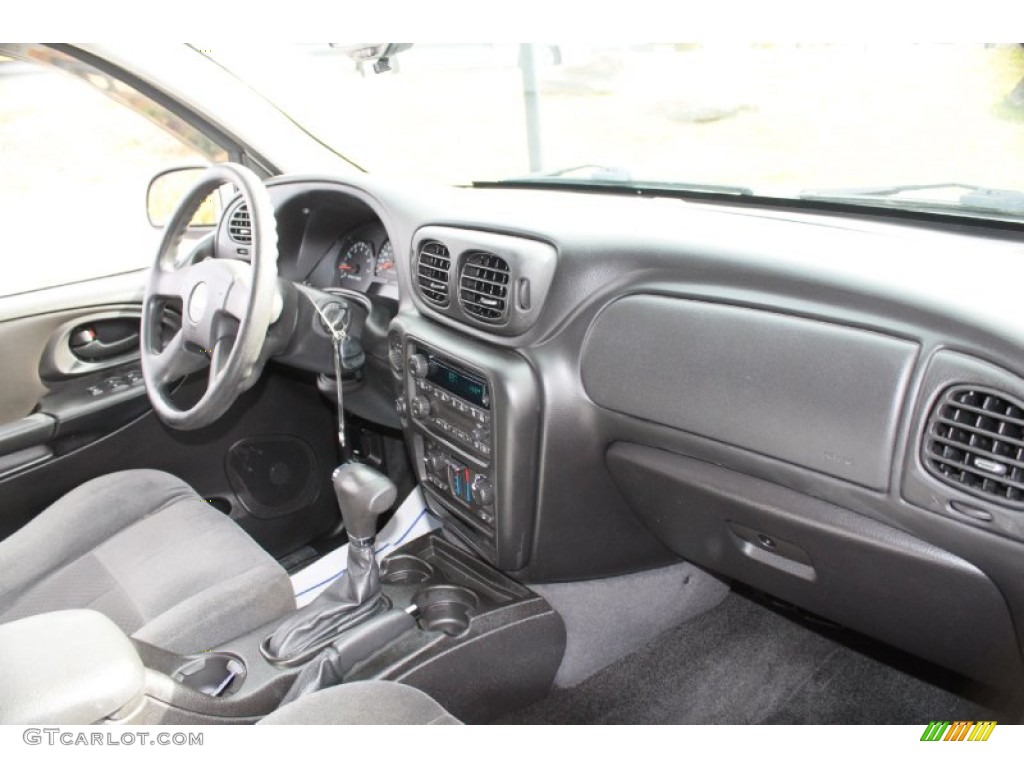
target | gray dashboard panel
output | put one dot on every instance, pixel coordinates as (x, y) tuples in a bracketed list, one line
[(912, 286), (818, 395)]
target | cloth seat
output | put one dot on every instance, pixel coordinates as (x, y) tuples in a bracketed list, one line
[(143, 548), (375, 702)]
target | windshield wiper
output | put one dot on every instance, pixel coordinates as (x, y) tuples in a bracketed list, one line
[(974, 198), (609, 178)]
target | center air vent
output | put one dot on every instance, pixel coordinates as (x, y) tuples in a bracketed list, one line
[(432, 269), (239, 226), (975, 441), (483, 287)]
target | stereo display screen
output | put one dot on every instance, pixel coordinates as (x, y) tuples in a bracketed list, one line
[(458, 383)]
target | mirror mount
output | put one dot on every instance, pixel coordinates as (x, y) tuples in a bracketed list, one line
[(380, 54)]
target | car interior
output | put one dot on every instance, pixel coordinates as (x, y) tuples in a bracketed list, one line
[(674, 458)]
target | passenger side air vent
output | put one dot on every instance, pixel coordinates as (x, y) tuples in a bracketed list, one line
[(975, 441), (432, 269), (239, 226), (483, 287)]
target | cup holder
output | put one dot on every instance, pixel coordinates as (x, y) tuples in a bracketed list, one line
[(444, 608), (405, 569), (212, 674)]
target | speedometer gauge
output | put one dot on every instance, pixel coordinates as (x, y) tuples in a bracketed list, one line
[(356, 265), (385, 269)]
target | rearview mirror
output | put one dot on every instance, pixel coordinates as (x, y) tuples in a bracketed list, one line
[(166, 190)]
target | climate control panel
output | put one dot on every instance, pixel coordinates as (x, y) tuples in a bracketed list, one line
[(468, 486)]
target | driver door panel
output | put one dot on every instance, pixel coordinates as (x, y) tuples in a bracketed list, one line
[(64, 420)]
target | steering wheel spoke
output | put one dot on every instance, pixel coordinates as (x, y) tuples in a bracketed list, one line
[(237, 302), (167, 283), (176, 360), (219, 358)]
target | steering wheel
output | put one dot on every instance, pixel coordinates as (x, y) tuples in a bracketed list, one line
[(227, 306)]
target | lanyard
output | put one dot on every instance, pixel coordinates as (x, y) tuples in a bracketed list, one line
[(339, 333)]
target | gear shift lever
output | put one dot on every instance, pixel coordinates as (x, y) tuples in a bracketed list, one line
[(363, 495)]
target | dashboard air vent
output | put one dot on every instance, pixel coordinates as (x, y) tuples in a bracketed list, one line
[(432, 269), (483, 287), (239, 226), (975, 441)]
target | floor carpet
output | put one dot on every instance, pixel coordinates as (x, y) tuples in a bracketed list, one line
[(751, 661)]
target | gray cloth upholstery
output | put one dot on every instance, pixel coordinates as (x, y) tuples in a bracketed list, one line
[(374, 702), (143, 548)]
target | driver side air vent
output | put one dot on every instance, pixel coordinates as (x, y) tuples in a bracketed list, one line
[(434, 264), (239, 226), (975, 442), (483, 287)]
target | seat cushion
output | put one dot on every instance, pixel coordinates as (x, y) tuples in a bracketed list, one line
[(143, 548), (374, 702)]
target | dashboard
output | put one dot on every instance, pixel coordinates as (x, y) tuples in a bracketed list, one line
[(823, 406)]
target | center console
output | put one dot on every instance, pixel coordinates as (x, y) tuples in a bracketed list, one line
[(470, 416), (465, 615)]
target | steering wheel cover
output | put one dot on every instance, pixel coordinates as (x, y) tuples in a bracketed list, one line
[(207, 290)]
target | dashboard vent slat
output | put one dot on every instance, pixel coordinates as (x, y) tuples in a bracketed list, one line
[(433, 267), (240, 226), (975, 442), (483, 287)]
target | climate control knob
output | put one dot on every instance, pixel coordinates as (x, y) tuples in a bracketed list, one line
[(483, 491), (419, 365), (437, 463), (420, 407)]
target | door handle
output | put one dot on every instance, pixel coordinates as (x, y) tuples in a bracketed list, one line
[(87, 347)]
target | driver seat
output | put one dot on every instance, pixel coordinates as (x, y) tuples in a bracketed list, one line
[(147, 551)]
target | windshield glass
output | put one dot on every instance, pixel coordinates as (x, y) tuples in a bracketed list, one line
[(927, 126)]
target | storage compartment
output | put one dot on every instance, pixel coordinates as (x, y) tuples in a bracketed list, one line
[(405, 569), (841, 565), (444, 608), (212, 674)]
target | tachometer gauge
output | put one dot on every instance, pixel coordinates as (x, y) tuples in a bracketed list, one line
[(356, 265), (386, 263)]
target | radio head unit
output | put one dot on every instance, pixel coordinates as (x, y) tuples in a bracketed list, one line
[(469, 387)]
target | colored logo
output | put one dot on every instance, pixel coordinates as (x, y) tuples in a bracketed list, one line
[(958, 730)]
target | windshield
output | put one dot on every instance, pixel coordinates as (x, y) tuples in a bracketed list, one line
[(927, 126)]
